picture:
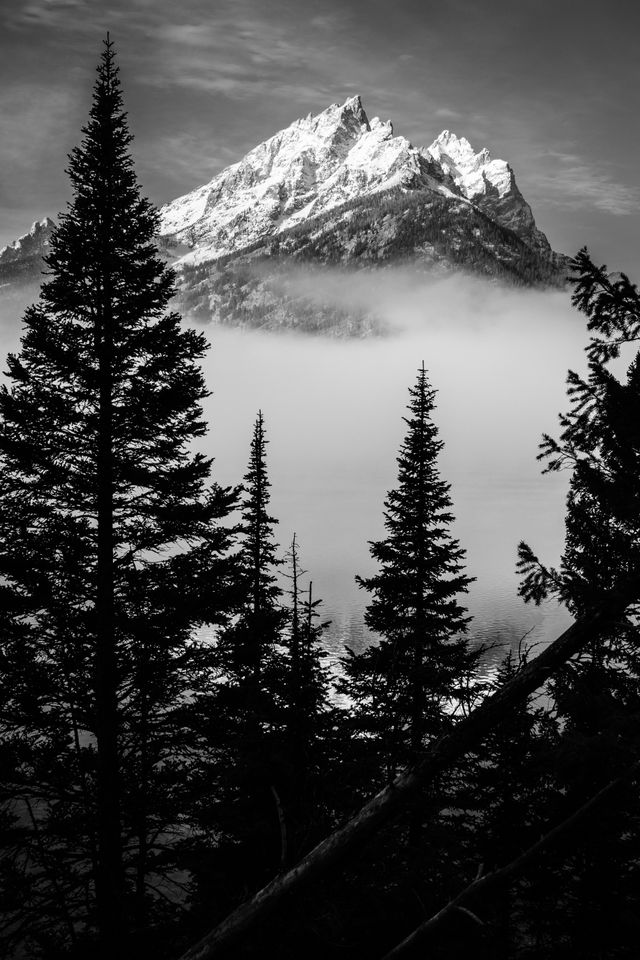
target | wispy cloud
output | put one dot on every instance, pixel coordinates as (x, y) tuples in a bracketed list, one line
[(241, 50), (285, 50), (44, 12), (444, 113), (190, 157), (32, 116), (566, 180), (236, 88)]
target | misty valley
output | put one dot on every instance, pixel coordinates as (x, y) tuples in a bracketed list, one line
[(333, 412), (319, 561)]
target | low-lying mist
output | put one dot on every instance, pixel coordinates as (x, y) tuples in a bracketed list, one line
[(333, 410)]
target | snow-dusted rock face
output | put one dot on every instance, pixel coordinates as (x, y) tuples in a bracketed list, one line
[(488, 183), (333, 158), (33, 243), (335, 189), (315, 165), (473, 173)]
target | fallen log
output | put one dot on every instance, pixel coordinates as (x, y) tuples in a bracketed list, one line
[(484, 883), (387, 804)]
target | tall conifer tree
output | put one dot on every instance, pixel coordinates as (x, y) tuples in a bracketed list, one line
[(108, 540), (306, 680), (306, 712), (597, 695), (403, 687), (247, 649), (402, 691), (241, 717)]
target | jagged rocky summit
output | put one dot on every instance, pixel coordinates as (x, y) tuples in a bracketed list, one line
[(21, 260), (338, 190)]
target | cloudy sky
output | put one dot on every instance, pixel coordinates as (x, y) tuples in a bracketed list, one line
[(550, 85)]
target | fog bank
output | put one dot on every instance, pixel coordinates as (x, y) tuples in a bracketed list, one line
[(333, 408)]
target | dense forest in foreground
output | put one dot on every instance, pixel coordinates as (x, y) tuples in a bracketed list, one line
[(169, 796)]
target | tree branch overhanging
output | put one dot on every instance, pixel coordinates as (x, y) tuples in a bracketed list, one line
[(387, 804), (484, 883)]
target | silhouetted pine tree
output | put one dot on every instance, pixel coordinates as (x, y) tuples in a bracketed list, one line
[(403, 692), (307, 681), (241, 718), (306, 717), (597, 695), (247, 649), (405, 687), (109, 549)]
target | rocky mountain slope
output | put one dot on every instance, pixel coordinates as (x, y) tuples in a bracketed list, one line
[(490, 184), (335, 190), (21, 261), (315, 165)]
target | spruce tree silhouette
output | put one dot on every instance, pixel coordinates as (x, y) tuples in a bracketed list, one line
[(597, 695), (108, 539), (306, 678), (242, 715), (403, 687)]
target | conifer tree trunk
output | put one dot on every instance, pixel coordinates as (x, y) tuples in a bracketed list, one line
[(141, 817), (296, 720), (104, 513), (257, 558), (109, 880), (417, 693)]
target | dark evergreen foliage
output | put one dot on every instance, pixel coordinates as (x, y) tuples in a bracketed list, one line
[(170, 738), (405, 691), (507, 791), (306, 681), (241, 717), (597, 696), (248, 648), (111, 552), (308, 746), (405, 688)]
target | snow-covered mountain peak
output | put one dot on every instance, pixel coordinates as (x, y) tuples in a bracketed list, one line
[(348, 117), (324, 161), (382, 125), (474, 173), (38, 226), (333, 187), (29, 245), (458, 148), (488, 183), (319, 162), (322, 169), (351, 109)]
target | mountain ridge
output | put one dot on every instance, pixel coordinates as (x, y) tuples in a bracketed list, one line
[(23, 256), (337, 189)]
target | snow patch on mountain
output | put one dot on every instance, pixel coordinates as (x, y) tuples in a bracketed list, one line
[(29, 245), (311, 167), (474, 173), (334, 188)]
